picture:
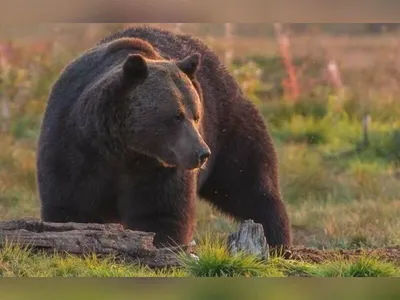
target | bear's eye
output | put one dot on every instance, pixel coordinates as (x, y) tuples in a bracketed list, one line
[(179, 118)]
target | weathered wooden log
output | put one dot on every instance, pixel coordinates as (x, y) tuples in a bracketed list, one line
[(81, 239), (250, 239), (137, 247)]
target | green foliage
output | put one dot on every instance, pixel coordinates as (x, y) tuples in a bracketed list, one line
[(25, 127), (271, 72), (215, 261), (302, 130), (362, 267), (22, 262), (248, 75)]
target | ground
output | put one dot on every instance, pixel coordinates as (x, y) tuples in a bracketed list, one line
[(338, 202), (390, 254)]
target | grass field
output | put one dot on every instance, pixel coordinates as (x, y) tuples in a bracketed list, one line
[(335, 201)]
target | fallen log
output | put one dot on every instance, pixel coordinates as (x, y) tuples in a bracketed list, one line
[(81, 239), (137, 247)]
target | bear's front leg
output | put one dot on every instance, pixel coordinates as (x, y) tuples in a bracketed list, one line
[(162, 202)]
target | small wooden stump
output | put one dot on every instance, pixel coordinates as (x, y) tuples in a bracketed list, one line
[(250, 239), (81, 239)]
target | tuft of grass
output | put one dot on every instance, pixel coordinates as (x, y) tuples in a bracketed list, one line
[(292, 268), (214, 260), (22, 262), (364, 266)]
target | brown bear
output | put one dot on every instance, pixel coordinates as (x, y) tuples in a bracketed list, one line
[(139, 126)]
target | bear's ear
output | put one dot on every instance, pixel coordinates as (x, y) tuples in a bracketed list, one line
[(135, 67), (190, 64)]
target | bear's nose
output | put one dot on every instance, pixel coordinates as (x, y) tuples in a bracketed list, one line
[(203, 155)]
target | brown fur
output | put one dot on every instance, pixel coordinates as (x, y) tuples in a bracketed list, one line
[(134, 44), (129, 127)]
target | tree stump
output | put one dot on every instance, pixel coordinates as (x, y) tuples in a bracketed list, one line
[(250, 239), (81, 239)]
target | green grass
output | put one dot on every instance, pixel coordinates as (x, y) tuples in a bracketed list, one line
[(22, 262), (362, 267), (291, 268), (214, 261)]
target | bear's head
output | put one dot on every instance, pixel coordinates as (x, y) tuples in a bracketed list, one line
[(164, 110)]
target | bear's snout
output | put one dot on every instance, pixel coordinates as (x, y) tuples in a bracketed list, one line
[(203, 155)]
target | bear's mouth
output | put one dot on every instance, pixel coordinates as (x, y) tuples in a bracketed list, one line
[(165, 164), (171, 160), (187, 168)]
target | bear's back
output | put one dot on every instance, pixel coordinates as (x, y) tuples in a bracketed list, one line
[(168, 44)]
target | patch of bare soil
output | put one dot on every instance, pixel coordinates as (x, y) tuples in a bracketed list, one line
[(389, 254), (305, 236)]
